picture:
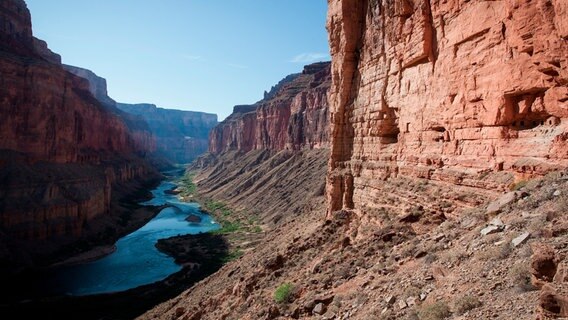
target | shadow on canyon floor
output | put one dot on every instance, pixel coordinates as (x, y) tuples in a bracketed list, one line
[(201, 255)]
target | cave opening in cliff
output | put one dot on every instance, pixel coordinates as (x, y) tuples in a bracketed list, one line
[(525, 111)]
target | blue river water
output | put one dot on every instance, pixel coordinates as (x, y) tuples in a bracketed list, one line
[(136, 260)]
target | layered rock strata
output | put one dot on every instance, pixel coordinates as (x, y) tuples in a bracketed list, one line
[(472, 93), (294, 116)]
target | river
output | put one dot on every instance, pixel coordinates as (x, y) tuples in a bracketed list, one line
[(136, 260)]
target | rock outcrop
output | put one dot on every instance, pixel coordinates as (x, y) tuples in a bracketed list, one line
[(471, 93), (63, 149), (293, 116), (181, 136)]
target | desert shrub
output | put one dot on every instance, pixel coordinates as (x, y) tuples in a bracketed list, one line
[(466, 303), (445, 204), (515, 186), (233, 255), (499, 252), (434, 311), (411, 291), (283, 293), (188, 187), (228, 227), (430, 258), (536, 227), (453, 256), (521, 277)]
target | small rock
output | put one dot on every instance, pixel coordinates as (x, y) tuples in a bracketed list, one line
[(496, 206), (423, 296), (557, 193), (411, 301), (439, 237), (490, 230), (193, 218), (180, 311), (318, 309), (402, 304), (390, 299), (520, 239), (497, 222)]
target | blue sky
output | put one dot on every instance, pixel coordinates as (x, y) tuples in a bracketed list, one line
[(198, 55)]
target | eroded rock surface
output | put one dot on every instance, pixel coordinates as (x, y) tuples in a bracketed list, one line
[(466, 92)]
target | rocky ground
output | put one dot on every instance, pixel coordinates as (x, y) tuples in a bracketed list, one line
[(503, 258)]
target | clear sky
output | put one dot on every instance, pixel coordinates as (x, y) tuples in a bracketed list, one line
[(200, 55)]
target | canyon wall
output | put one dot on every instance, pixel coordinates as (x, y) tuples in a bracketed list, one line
[(293, 115), (269, 159), (470, 93), (63, 152), (139, 130), (181, 136)]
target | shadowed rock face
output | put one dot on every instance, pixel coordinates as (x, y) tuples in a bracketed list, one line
[(454, 91), (62, 149), (294, 115), (181, 136)]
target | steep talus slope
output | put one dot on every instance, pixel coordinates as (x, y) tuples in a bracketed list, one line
[(272, 185), (181, 136), (446, 90), (63, 153)]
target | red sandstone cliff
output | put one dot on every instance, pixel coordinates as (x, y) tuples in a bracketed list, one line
[(62, 151), (294, 116), (468, 92)]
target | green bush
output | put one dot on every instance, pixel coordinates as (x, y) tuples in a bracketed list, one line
[(187, 185), (227, 227), (215, 205), (283, 293), (233, 255)]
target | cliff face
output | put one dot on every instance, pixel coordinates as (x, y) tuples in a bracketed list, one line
[(293, 116), (181, 136), (472, 93), (139, 130), (62, 151)]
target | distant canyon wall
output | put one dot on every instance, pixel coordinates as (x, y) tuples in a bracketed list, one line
[(294, 115), (471, 93), (181, 136)]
